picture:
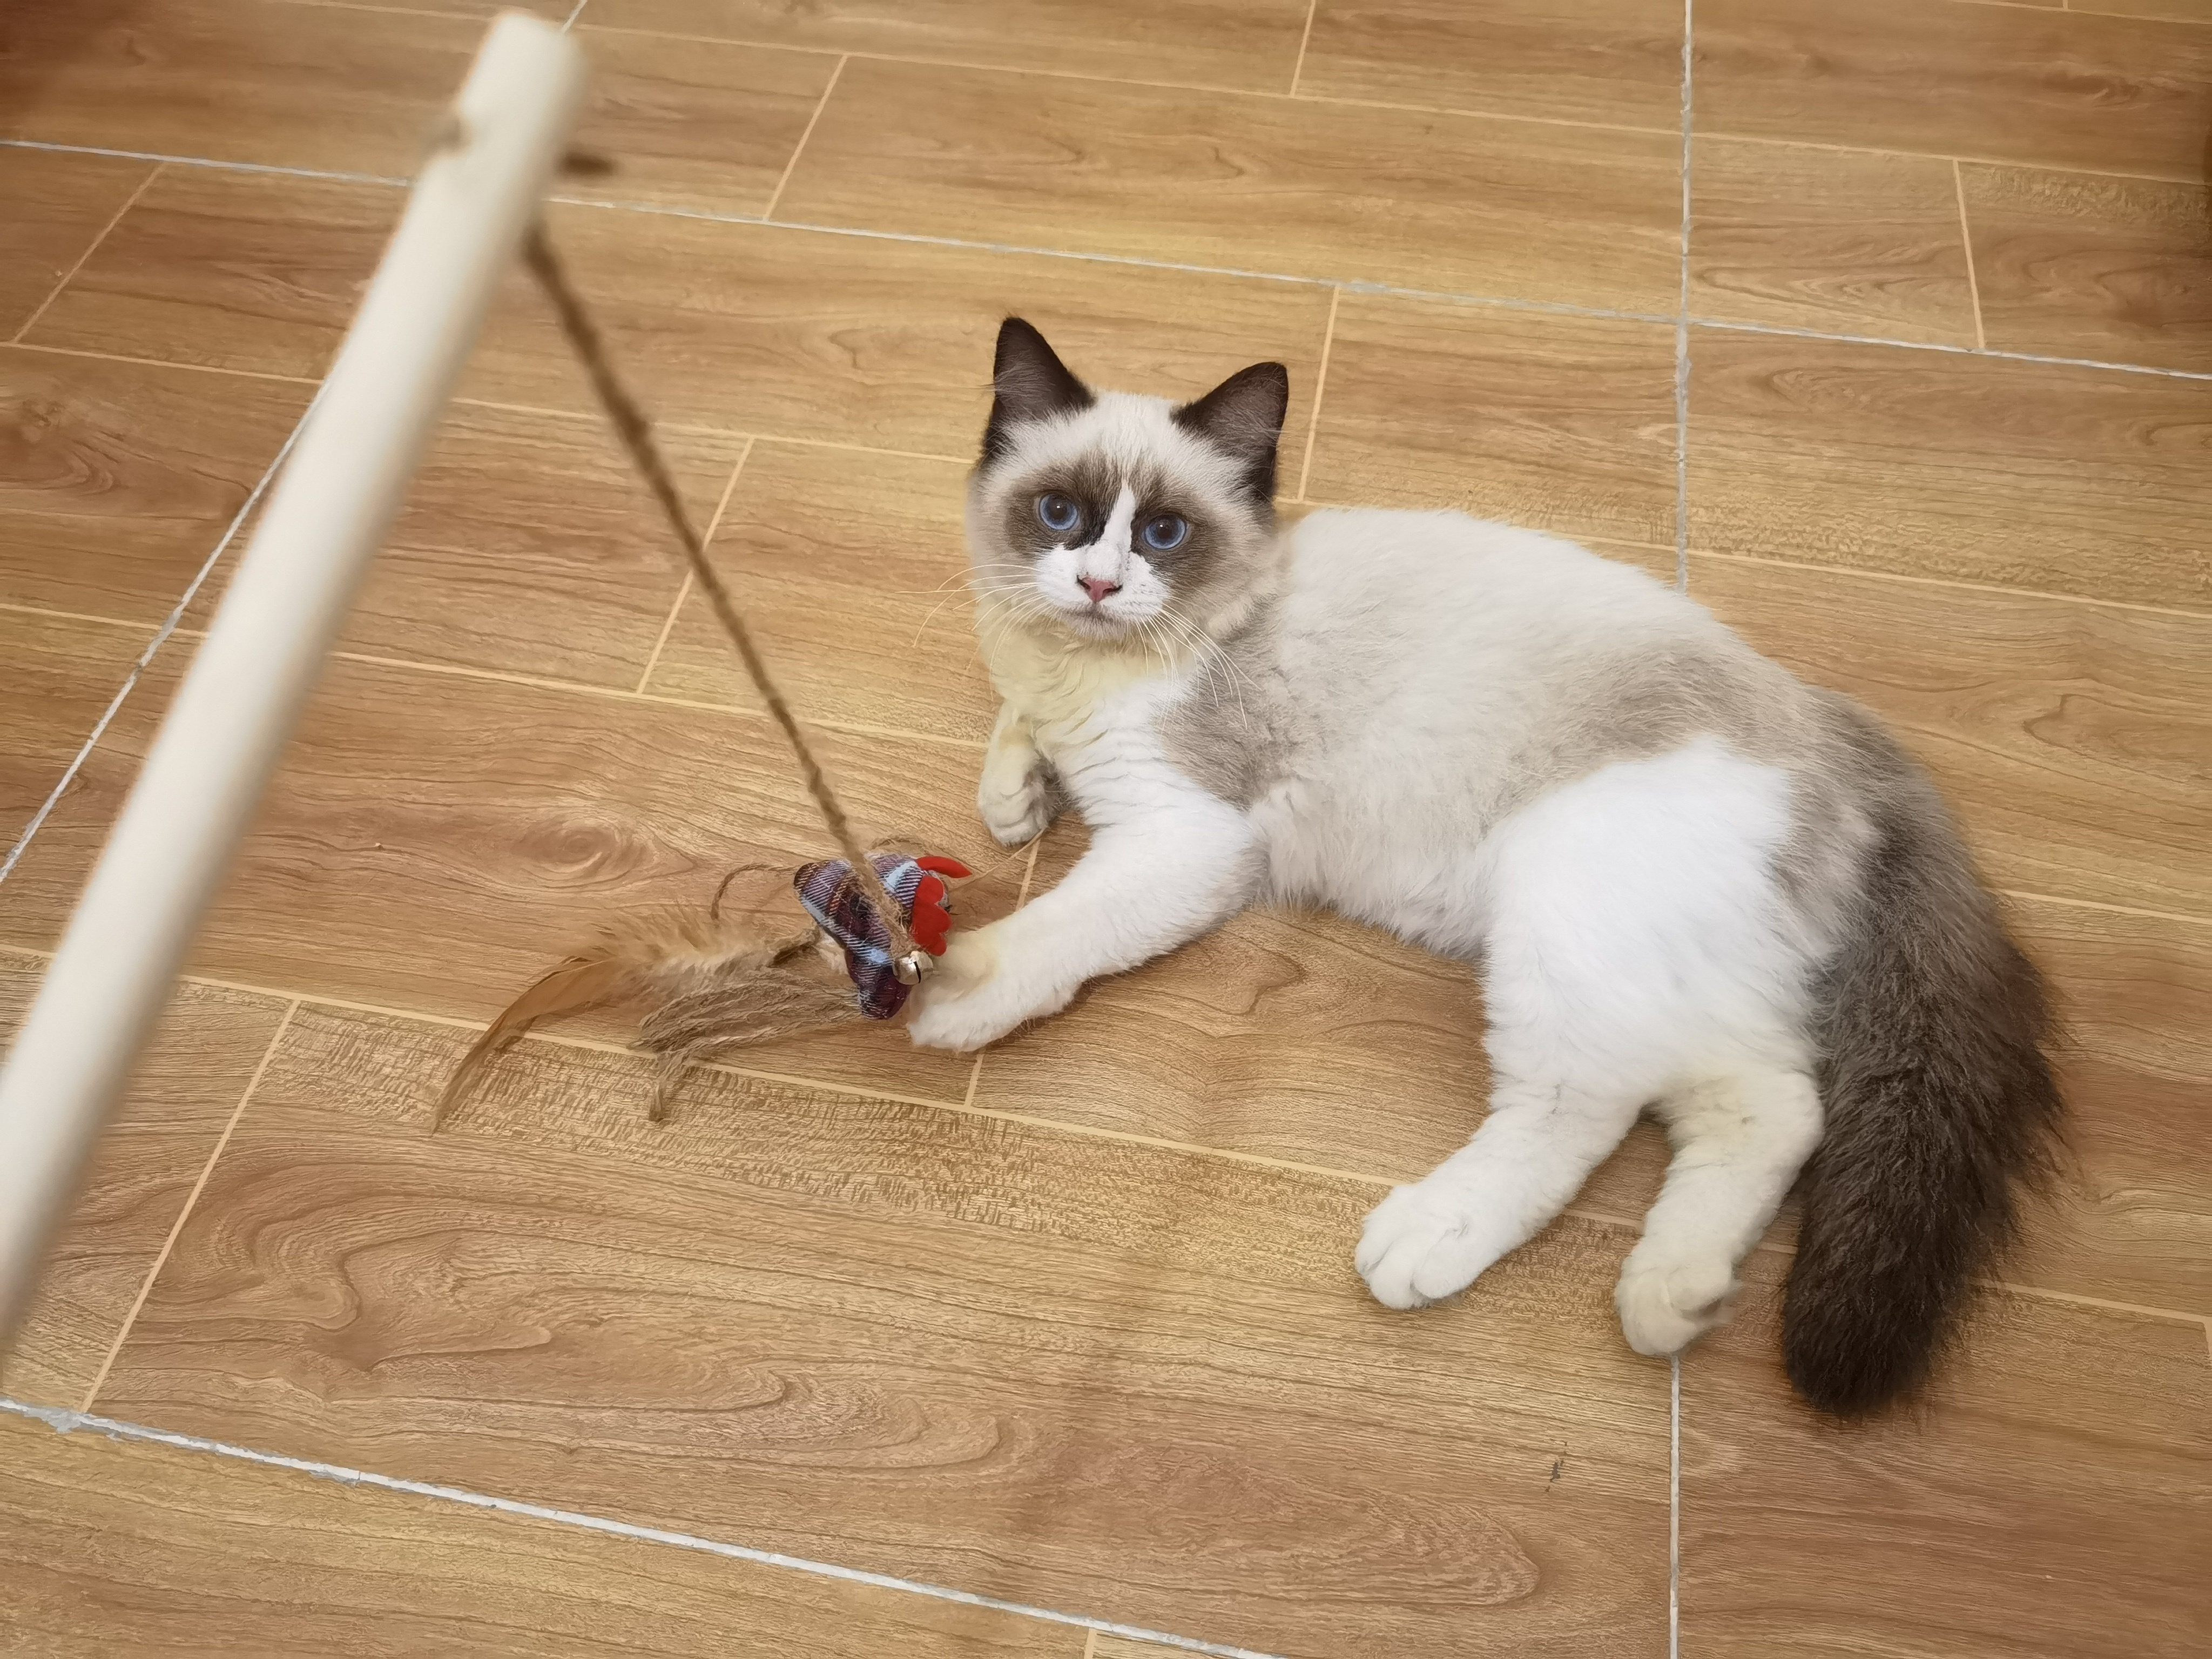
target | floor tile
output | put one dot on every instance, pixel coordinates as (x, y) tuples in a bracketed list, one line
[(1253, 44), (323, 87), (57, 674), (1033, 1365), (696, 125), (2049, 1499), (115, 1546), (185, 1086), (1297, 1037), (118, 480), (55, 206), (2193, 11), (2074, 266), (2073, 739), (1563, 424), (435, 842), (528, 545), (1457, 205), (1928, 464), (865, 340), (255, 272), (2008, 84), (1614, 62), (853, 569), (1841, 241), (2132, 1221)]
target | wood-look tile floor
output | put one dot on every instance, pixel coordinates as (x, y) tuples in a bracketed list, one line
[(1073, 1330)]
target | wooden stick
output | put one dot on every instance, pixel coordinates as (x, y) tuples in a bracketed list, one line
[(331, 510)]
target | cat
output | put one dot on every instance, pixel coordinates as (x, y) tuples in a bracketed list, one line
[(1690, 881)]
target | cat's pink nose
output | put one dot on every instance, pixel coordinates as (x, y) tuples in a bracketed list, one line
[(1098, 587)]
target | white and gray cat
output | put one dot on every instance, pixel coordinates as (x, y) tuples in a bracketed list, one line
[(1690, 881)]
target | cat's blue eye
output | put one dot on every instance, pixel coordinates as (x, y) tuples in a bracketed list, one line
[(1057, 512), (1164, 531)]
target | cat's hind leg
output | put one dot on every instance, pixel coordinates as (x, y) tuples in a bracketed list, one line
[(1739, 1141), (1545, 1132)]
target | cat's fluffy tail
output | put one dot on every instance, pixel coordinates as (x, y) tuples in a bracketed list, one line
[(1939, 1102)]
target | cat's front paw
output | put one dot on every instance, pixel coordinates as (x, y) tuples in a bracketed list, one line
[(975, 996), (1665, 1305), (1423, 1242), (1015, 796)]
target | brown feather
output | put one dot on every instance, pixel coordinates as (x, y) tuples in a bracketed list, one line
[(704, 985)]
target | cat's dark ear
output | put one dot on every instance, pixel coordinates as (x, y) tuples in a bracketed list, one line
[(1244, 416), (1028, 383)]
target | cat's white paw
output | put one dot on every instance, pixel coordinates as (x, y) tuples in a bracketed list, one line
[(1015, 800), (1665, 1305), (1423, 1242), (975, 996)]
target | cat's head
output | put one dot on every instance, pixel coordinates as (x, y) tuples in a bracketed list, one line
[(1109, 516)]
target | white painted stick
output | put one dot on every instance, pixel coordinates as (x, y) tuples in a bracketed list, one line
[(329, 511)]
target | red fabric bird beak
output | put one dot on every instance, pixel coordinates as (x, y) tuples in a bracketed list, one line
[(932, 921)]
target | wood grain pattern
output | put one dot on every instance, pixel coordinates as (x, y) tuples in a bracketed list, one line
[(1454, 203), (261, 81), (1035, 1365), (1563, 424), (2074, 740), (1292, 1035), (110, 1546), (2069, 480), (181, 1094), (2049, 1499), (1251, 44), (57, 674), (55, 207), (854, 339), (2132, 1220), (1612, 62), (253, 272), (117, 480), (1843, 241), (695, 125), (527, 545), (2008, 83), (854, 570), (435, 842), (2072, 265)]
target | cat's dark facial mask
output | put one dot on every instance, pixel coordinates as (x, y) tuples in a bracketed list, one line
[(1112, 515)]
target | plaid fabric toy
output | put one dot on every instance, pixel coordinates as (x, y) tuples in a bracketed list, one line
[(835, 899)]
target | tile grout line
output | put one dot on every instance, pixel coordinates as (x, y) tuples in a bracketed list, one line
[(1021, 897), (1674, 1506), (575, 12), (1683, 337), (2191, 919), (44, 348), (192, 1200), (1305, 37), (168, 626), (683, 588), (768, 213), (1320, 385), (1966, 247), (204, 161), (64, 1421), (91, 248), (1682, 585), (1091, 1646)]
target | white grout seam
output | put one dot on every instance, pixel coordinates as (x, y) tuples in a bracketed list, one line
[(161, 638), (575, 12), (203, 162), (63, 1421), (1682, 340), (1674, 1507)]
